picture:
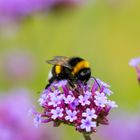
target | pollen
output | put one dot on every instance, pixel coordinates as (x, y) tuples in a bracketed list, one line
[(57, 69)]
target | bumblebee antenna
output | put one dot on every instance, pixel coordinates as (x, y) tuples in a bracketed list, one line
[(96, 81)]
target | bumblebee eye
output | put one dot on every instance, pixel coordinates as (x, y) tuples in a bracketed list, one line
[(85, 72)]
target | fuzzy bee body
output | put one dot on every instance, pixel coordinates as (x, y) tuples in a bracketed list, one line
[(73, 69)]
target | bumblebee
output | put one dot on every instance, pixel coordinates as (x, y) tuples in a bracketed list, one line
[(73, 69)]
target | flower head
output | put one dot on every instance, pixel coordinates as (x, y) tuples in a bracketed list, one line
[(84, 108), (135, 62), (18, 65)]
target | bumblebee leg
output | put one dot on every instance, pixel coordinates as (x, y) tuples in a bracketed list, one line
[(73, 85), (47, 86)]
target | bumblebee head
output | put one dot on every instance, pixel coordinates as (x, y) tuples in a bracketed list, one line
[(84, 74)]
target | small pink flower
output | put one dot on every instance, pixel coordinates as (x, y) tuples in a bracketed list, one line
[(71, 116), (87, 124), (58, 112), (84, 100), (100, 99), (112, 104), (55, 100), (69, 99), (37, 120), (61, 83), (90, 113)]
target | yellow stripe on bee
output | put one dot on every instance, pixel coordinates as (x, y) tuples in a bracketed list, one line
[(79, 66), (57, 69)]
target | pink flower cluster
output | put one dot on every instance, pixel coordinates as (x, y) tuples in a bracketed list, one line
[(20, 8), (15, 123), (84, 107)]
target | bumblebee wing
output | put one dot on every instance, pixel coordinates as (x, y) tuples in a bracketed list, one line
[(60, 60)]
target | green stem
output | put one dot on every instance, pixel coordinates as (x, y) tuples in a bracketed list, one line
[(87, 137)]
